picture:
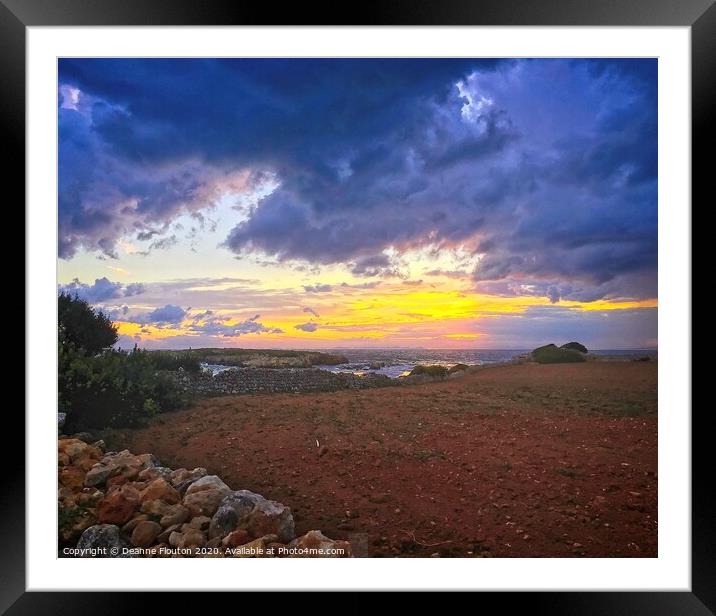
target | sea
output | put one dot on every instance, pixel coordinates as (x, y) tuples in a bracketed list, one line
[(399, 362)]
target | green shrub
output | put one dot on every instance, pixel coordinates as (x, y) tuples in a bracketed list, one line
[(173, 360), (100, 387), (552, 354), (458, 368), (575, 346), (437, 371), (115, 388)]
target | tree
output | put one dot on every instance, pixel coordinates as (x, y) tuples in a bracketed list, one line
[(82, 328)]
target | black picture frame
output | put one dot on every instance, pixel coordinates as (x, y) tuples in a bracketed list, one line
[(700, 15)]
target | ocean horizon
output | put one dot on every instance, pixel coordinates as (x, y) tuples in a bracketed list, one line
[(394, 363)]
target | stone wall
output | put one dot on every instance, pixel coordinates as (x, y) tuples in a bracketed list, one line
[(118, 504), (270, 380)]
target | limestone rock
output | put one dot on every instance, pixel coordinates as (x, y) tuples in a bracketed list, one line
[(193, 539), (105, 538), (72, 477), (153, 472), (204, 495), (168, 514), (232, 510), (145, 533), (315, 544), (113, 464), (118, 506), (130, 526), (160, 489), (78, 450), (181, 478), (199, 523), (270, 517), (235, 538)]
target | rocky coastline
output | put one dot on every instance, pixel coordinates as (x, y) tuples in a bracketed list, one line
[(117, 504)]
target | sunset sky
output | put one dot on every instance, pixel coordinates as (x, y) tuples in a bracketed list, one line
[(318, 203)]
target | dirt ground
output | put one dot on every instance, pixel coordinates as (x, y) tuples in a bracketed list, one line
[(510, 461)]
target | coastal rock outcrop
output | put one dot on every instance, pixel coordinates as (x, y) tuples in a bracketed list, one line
[(120, 504), (575, 346), (552, 354)]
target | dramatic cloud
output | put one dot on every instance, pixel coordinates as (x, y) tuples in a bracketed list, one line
[(166, 315), (543, 170), (101, 290), (136, 288), (116, 314), (216, 326), (380, 265), (307, 327)]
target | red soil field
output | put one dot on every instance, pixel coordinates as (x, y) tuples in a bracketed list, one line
[(510, 461)]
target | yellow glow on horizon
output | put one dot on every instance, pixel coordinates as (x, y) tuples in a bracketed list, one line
[(394, 311)]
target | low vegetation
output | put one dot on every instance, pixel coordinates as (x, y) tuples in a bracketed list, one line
[(552, 354), (190, 359), (435, 371), (99, 386), (575, 346)]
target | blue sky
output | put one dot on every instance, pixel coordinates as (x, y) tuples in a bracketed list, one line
[(462, 200)]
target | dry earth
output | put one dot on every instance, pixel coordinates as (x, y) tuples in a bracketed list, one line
[(511, 461)]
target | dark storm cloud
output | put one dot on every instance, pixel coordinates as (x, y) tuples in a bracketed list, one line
[(545, 167)]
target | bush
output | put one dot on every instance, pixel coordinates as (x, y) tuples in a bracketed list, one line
[(173, 360), (437, 371), (552, 354), (458, 368), (81, 327), (100, 387), (115, 388), (575, 346)]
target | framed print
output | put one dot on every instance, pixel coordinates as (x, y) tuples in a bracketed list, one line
[(402, 303)]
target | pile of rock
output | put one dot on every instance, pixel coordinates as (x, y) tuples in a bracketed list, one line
[(118, 504)]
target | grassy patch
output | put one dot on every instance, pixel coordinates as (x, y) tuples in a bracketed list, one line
[(436, 371), (458, 368)]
